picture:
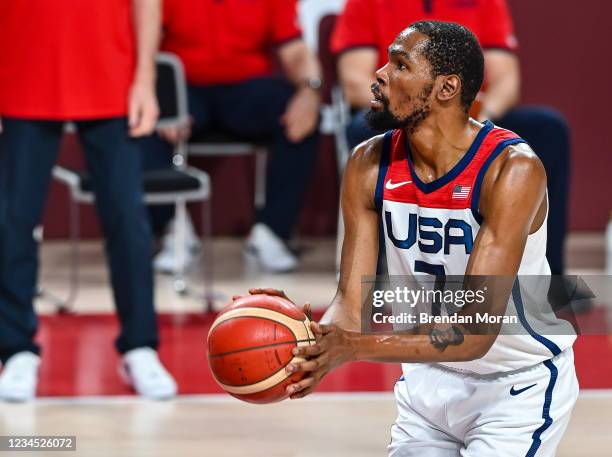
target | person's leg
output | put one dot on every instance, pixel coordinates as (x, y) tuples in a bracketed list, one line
[(113, 160), (252, 110), (548, 134), (28, 151), (358, 129), (157, 155)]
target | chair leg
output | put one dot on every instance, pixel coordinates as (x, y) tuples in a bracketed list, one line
[(180, 227), (207, 252), (65, 306), (260, 178)]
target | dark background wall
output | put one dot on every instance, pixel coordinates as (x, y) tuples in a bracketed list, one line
[(566, 63), (566, 50)]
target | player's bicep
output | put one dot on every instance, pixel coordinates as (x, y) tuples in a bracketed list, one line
[(512, 199), (360, 245)]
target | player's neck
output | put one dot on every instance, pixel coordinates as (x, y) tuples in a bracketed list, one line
[(439, 143)]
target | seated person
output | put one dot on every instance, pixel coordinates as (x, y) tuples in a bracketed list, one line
[(367, 27), (226, 48)]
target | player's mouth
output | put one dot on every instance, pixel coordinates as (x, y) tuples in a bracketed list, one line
[(378, 101)]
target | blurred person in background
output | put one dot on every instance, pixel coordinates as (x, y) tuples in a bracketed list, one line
[(229, 50), (367, 27), (91, 63)]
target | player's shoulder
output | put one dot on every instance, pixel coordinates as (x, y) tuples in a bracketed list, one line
[(517, 162), (367, 154), (361, 172)]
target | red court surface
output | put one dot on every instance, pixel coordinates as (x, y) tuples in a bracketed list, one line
[(79, 358)]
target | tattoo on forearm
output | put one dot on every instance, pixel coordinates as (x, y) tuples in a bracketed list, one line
[(440, 339)]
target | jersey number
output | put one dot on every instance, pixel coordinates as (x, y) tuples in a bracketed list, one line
[(439, 273)]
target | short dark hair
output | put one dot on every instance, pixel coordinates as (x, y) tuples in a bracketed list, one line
[(452, 49)]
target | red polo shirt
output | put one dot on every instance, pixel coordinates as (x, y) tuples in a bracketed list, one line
[(227, 41), (65, 59), (376, 23)]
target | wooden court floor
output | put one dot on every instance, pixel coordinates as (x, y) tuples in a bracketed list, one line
[(334, 425), (325, 425)]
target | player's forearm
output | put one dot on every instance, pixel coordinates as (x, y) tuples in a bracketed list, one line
[(411, 348), (341, 315), (147, 24)]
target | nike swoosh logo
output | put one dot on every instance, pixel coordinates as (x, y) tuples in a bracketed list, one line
[(515, 392), (392, 186)]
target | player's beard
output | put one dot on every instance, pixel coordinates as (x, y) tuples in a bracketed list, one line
[(385, 120)]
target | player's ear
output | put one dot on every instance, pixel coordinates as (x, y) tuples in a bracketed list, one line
[(450, 87)]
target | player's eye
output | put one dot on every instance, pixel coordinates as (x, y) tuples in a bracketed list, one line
[(401, 66)]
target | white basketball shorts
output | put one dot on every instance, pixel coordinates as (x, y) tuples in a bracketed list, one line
[(447, 413)]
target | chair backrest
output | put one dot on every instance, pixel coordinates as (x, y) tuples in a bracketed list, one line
[(171, 91), (326, 56), (335, 111)]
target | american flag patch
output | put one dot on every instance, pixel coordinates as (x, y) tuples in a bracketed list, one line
[(461, 191)]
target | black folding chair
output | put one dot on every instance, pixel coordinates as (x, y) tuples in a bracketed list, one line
[(178, 185)]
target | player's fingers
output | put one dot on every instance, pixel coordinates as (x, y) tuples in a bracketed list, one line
[(316, 328), (308, 351), (299, 386), (302, 394), (307, 310), (322, 328), (309, 365), (267, 291)]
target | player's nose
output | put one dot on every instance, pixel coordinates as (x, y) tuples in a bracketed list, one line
[(381, 75)]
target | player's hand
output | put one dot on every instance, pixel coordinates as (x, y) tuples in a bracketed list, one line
[(301, 117), (143, 110), (333, 348), (278, 293)]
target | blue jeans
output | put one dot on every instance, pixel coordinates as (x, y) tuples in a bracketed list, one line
[(28, 151), (248, 111), (548, 135)]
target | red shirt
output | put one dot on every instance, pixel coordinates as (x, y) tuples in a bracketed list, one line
[(65, 59), (227, 41), (376, 23)]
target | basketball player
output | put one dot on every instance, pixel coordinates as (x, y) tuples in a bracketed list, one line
[(479, 195)]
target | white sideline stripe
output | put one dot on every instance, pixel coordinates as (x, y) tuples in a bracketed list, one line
[(225, 398)]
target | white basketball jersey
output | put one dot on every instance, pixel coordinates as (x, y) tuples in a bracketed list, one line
[(430, 229)]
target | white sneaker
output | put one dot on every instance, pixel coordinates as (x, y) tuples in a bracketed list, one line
[(166, 261), (19, 378), (270, 251), (141, 369)]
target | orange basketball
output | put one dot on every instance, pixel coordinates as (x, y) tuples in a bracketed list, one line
[(250, 343)]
